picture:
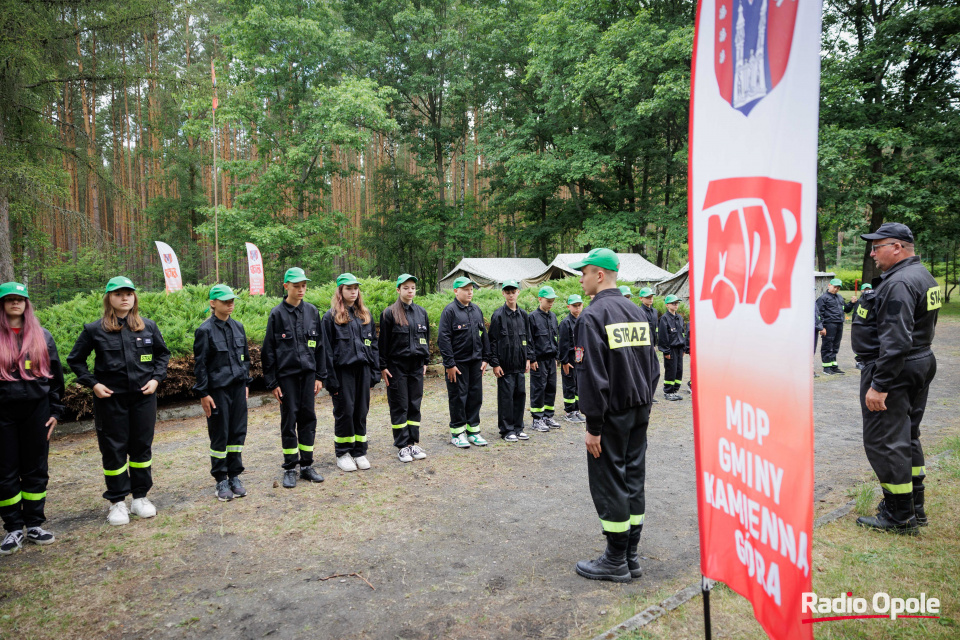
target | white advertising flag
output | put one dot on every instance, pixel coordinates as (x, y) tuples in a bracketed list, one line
[(255, 267), (171, 267)]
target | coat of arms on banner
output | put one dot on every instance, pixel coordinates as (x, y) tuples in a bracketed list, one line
[(752, 45), (167, 257)]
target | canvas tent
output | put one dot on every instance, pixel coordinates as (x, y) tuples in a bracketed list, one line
[(679, 283), (634, 268), (554, 271), (490, 273)]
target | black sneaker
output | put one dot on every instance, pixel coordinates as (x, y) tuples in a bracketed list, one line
[(237, 487), (289, 478), (224, 494), (837, 369), (36, 535), (828, 371), (12, 543), (311, 474)]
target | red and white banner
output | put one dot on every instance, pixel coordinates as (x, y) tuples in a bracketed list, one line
[(171, 267), (255, 268), (752, 207)]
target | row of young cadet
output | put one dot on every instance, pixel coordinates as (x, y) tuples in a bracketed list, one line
[(302, 353)]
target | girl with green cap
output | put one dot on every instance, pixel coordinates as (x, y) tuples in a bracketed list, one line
[(130, 361), (404, 354), (31, 389), (353, 367)]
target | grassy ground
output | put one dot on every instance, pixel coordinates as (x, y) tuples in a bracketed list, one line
[(846, 558)]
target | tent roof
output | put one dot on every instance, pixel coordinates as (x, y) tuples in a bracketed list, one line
[(633, 267), (500, 269)]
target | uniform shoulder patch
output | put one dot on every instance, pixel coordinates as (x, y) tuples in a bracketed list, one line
[(628, 334), (578, 353), (934, 298)]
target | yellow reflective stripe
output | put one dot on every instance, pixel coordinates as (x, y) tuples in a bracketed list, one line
[(360, 438), (344, 440), (399, 426), (470, 429), (548, 407), (234, 448), (115, 472), (919, 471), (9, 501), (412, 423), (906, 487), (305, 447), (576, 397), (33, 496), (290, 452), (615, 527), (570, 401), (218, 454), (457, 430), (637, 519), (141, 465), (536, 409)]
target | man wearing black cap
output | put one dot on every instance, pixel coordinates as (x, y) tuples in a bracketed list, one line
[(832, 309), (892, 338)]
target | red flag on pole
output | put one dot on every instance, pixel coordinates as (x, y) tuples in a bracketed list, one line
[(213, 75)]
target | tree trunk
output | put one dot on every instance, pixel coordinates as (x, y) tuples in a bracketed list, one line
[(6, 252), (821, 255)]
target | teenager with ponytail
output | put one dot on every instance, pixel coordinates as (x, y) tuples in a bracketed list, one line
[(31, 391), (130, 362)]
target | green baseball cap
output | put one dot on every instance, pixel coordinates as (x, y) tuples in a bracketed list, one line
[(547, 292), (574, 299), (295, 274), (347, 278), (646, 292), (120, 282), (625, 290), (837, 282), (13, 289), (463, 281), (671, 298), (405, 277), (603, 258), (866, 285), (510, 284), (222, 292)]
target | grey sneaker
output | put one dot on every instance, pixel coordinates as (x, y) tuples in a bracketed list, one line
[(540, 425), (237, 487), (37, 535), (581, 417), (224, 494), (12, 543), (571, 417), (550, 422)]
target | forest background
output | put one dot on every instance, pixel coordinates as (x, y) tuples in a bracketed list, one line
[(388, 136)]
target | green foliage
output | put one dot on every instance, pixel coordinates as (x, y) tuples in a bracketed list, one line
[(852, 278)]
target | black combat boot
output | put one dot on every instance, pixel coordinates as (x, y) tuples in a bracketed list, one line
[(311, 474), (633, 558), (612, 563), (918, 504), (894, 514)]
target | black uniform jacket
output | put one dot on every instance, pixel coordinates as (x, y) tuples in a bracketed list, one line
[(566, 345), (18, 390), (510, 340), (221, 356), (672, 332), (546, 334), (615, 358), (461, 336), (831, 307), (900, 319), (125, 360), (345, 345), (651, 316), (409, 342), (292, 343)]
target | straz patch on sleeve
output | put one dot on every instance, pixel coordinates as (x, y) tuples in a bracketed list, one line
[(628, 334), (934, 298), (578, 354), (862, 312), (147, 357)]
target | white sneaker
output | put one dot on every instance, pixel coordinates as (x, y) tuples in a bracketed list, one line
[(118, 514), (143, 508), (404, 455), (417, 452), (346, 463), (460, 441), (362, 463)]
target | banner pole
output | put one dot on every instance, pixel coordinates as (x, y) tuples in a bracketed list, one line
[(705, 589), (216, 216)]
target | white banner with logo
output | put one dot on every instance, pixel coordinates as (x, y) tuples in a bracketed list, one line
[(255, 268), (752, 211), (171, 267)]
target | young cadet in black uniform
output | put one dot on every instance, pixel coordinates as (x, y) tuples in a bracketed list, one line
[(293, 368), (511, 352), (615, 360), (866, 290), (353, 367), (462, 340), (892, 339), (625, 291), (650, 315), (31, 389), (130, 362), (672, 341), (543, 371), (221, 360), (404, 354), (567, 359), (832, 308)]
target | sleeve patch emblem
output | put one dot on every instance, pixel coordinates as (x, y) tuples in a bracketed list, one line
[(147, 357), (578, 353), (628, 334), (934, 298)]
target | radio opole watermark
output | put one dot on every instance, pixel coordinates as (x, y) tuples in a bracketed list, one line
[(882, 605)]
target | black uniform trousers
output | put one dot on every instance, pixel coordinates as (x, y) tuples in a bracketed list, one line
[(350, 406), (543, 388), (227, 427), (298, 419), (830, 345), (891, 438), (570, 398), (464, 398), (404, 396), (511, 403), (23, 463), (673, 370), (125, 424), (617, 476)]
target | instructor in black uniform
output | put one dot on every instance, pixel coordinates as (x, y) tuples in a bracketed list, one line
[(892, 340), (615, 361), (832, 307)]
